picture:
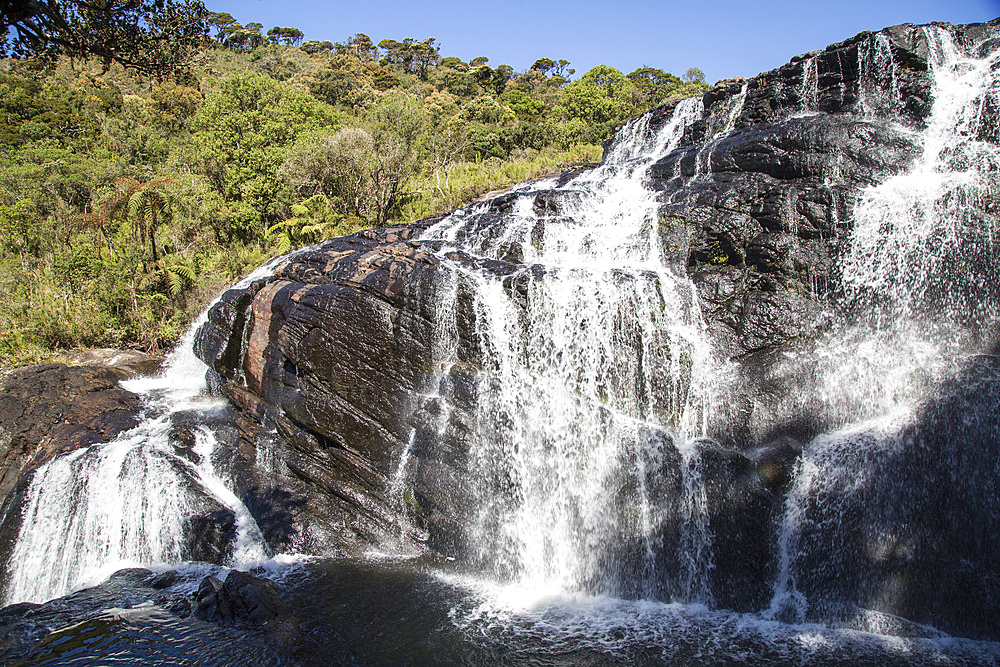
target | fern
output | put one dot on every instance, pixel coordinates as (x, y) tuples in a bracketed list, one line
[(175, 283)]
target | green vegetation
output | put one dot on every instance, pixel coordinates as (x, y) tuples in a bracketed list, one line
[(131, 194), (152, 36)]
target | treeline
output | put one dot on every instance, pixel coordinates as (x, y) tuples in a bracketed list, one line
[(129, 200)]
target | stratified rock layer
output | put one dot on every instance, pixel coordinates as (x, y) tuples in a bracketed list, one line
[(330, 351)]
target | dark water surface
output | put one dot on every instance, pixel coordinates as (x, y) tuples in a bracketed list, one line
[(390, 612)]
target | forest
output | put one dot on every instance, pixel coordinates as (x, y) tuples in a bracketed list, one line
[(134, 189)]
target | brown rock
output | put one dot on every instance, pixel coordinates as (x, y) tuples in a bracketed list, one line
[(49, 409), (132, 361)]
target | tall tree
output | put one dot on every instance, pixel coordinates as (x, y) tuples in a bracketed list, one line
[(289, 36), (152, 36)]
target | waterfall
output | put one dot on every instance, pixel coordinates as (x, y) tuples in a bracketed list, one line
[(135, 501), (911, 470), (595, 383), (596, 379), (576, 378)]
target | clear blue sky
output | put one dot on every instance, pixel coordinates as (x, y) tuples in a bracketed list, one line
[(722, 37)]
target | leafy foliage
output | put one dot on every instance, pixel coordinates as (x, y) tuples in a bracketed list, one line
[(153, 36), (133, 189)]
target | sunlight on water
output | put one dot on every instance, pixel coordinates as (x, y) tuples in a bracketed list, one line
[(593, 387), (130, 502)]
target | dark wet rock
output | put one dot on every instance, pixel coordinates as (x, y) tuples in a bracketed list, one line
[(213, 601), (336, 343), (741, 517), (138, 601), (164, 579), (254, 599), (329, 361), (775, 463), (210, 535), (242, 598), (50, 409), (915, 539)]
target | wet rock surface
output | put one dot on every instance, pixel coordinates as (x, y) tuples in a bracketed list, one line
[(51, 409), (238, 616), (323, 359), (241, 598), (344, 616)]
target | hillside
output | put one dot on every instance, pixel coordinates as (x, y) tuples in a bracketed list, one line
[(129, 201)]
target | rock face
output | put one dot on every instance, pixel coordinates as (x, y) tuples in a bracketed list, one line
[(330, 360), (241, 598), (329, 351), (181, 625), (54, 408)]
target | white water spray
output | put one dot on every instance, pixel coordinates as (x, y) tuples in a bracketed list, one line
[(920, 273), (595, 376), (130, 502)]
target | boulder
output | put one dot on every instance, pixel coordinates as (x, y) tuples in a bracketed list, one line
[(242, 598)]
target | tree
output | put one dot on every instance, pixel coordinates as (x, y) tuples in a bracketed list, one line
[(221, 22), (563, 69), (694, 75), (494, 80), (360, 46), (411, 56), (242, 133), (312, 46), (425, 54), (653, 86), (445, 148), (142, 205), (334, 85), (152, 36), (363, 170), (601, 95), (451, 62), (544, 65), (289, 36), (242, 38)]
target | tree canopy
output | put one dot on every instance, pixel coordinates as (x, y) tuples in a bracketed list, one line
[(152, 36)]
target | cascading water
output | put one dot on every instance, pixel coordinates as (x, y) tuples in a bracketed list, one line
[(596, 377), (922, 291), (575, 383), (131, 502)]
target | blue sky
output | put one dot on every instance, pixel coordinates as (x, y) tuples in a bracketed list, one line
[(722, 37)]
